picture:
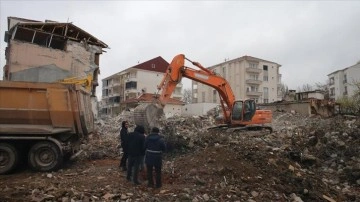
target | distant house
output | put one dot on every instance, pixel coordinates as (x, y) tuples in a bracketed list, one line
[(133, 82), (315, 94)]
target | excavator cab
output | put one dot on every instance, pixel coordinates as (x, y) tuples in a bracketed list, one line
[(243, 110)]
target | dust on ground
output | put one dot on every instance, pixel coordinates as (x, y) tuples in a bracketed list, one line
[(304, 159)]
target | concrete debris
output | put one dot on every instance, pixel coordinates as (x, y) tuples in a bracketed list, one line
[(304, 159)]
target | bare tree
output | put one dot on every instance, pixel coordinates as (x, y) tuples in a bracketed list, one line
[(305, 88), (284, 90), (324, 87), (187, 96)]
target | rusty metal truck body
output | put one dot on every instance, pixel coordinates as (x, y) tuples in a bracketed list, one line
[(42, 123)]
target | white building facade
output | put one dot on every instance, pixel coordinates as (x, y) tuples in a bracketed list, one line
[(341, 82)]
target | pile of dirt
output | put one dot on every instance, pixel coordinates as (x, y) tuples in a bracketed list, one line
[(304, 159)]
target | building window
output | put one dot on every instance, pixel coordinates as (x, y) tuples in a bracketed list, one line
[(254, 77), (331, 81), (266, 78), (332, 91), (224, 72), (345, 91), (345, 79), (253, 65), (266, 91), (153, 66), (266, 100), (265, 67), (131, 85), (252, 89), (203, 96)]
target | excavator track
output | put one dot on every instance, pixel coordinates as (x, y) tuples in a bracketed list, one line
[(242, 128)]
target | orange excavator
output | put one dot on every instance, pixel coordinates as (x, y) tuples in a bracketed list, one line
[(237, 114)]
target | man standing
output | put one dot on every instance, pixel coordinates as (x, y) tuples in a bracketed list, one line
[(154, 146), (136, 151), (124, 144)]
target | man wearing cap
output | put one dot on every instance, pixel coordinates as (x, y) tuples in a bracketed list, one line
[(154, 147)]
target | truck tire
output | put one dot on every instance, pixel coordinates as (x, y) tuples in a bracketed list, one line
[(45, 156), (8, 158)]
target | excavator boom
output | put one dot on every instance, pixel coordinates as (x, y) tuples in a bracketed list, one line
[(177, 70)]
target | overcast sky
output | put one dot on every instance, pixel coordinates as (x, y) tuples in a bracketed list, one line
[(309, 39)]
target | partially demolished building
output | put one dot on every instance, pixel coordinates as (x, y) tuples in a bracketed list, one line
[(50, 51)]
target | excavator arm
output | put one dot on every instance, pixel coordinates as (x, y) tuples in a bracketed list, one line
[(177, 70)]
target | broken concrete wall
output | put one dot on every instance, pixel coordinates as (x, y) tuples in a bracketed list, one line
[(324, 108), (31, 62), (302, 108), (83, 58), (172, 110)]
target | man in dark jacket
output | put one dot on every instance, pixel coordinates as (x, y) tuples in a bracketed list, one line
[(136, 151), (124, 144), (154, 147)]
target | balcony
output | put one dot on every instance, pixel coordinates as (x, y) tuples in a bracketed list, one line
[(131, 79), (114, 94), (131, 90), (116, 84), (253, 70), (253, 81), (253, 93)]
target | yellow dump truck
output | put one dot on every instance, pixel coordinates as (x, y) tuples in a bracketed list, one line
[(42, 123)]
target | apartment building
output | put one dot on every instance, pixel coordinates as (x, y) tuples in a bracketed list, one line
[(249, 78), (123, 90), (341, 82)]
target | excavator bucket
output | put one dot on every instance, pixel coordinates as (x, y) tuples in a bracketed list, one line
[(148, 115)]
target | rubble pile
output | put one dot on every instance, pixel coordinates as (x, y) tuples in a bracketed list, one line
[(304, 159)]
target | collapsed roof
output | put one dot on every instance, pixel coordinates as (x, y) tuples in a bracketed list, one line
[(30, 30)]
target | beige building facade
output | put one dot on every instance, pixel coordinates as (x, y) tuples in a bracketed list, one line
[(249, 78)]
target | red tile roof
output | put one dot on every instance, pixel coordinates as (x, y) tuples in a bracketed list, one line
[(148, 97), (157, 64)]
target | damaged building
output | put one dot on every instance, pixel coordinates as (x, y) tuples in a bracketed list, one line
[(50, 51)]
